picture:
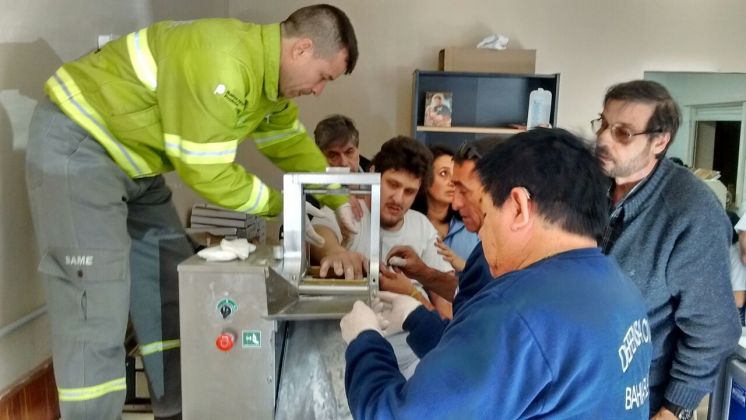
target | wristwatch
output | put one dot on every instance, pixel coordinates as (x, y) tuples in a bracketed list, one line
[(681, 413)]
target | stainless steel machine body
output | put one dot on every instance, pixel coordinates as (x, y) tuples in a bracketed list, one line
[(229, 350), (234, 321)]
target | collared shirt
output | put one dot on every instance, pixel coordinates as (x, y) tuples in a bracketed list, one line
[(459, 239)]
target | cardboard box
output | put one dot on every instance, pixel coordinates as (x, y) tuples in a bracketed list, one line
[(485, 60)]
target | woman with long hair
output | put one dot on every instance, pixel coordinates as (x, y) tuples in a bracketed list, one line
[(455, 243)]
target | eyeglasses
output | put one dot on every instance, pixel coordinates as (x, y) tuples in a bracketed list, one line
[(619, 133), (468, 151)]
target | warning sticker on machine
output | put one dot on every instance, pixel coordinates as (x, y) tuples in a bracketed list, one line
[(251, 339)]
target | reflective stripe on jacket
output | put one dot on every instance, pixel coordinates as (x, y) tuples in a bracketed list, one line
[(182, 96)]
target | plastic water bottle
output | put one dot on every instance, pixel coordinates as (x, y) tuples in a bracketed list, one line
[(539, 107)]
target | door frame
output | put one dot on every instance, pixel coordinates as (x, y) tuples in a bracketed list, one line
[(726, 111)]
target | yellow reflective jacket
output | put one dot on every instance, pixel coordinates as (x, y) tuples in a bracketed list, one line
[(183, 95)]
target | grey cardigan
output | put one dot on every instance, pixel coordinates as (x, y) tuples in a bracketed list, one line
[(672, 241)]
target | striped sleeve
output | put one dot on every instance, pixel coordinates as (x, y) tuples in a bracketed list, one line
[(201, 133), (283, 139)]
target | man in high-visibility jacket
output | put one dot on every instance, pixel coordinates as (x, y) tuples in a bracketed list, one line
[(174, 96)]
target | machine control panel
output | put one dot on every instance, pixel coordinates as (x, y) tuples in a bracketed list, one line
[(225, 334)]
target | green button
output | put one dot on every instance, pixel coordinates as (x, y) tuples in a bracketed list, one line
[(226, 307), (251, 339)]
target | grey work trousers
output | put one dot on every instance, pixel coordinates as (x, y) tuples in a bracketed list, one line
[(109, 247)]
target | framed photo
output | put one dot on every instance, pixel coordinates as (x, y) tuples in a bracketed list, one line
[(438, 106)]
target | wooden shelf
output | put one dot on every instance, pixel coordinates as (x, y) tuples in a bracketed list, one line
[(479, 130), (484, 104)]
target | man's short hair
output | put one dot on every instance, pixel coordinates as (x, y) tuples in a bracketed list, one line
[(666, 116), (474, 150), (336, 130), (561, 174), (405, 154), (328, 27)]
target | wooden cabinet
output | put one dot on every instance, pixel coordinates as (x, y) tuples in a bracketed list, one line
[(482, 104)]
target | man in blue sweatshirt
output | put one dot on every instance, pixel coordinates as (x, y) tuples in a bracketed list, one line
[(559, 333), (671, 237)]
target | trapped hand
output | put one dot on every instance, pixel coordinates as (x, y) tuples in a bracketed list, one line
[(359, 319), (351, 264)]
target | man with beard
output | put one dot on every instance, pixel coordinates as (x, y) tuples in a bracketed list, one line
[(670, 236), (404, 165), (315, 349)]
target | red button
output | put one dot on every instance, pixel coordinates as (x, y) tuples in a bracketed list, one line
[(225, 341)]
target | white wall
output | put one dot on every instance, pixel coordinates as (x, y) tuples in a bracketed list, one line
[(592, 43), (37, 36), (690, 89)]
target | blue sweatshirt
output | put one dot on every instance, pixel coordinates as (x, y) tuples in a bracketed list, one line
[(671, 237), (564, 338), (426, 327)]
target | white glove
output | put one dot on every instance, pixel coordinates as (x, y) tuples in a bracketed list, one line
[(392, 309), (360, 318), (311, 235), (347, 222)]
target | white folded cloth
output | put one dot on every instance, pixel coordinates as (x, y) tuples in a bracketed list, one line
[(228, 250)]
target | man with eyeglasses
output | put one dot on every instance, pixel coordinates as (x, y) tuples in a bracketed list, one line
[(404, 164), (670, 235)]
